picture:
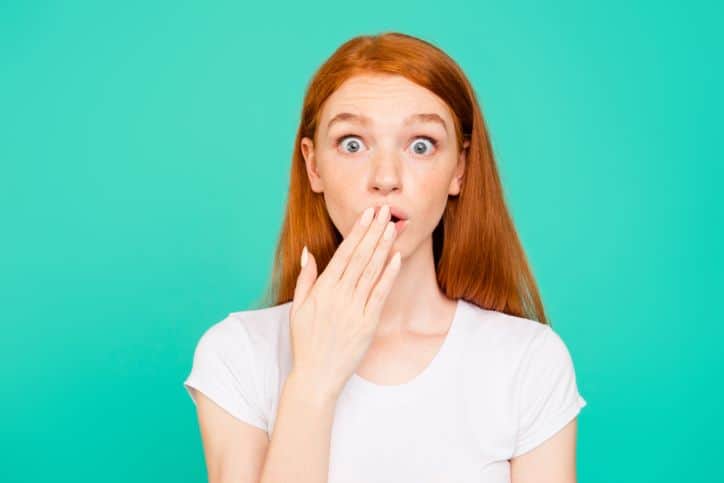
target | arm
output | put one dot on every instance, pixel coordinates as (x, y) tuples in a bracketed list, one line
[(554, 461), (234, 450), (299, 448), (300, 443), (548, 406)]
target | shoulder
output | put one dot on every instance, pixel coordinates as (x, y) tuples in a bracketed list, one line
[(264, 324), (522, 373), (498, 331), (256, 331), (511, 344), (234, 363), (531, 355)]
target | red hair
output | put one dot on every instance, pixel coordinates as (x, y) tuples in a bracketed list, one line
[(477, 253)]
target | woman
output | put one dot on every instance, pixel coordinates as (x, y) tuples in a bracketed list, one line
[(410, 344)]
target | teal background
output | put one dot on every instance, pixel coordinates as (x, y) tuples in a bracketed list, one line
[(145, 152)]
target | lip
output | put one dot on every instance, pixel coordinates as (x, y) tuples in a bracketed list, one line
[(394, 211), (400, 226)]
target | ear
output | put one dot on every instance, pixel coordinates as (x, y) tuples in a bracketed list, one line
[(307, 146), (456, 182)]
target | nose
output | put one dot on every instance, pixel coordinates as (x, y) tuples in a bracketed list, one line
[(385, 173)]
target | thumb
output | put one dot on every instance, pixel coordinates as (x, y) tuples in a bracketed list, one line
[(305, 280)]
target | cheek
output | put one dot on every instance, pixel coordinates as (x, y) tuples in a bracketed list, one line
[(338, 171), (343, 181), (433, 185), (339, 203), (338, 213), (432, 191)]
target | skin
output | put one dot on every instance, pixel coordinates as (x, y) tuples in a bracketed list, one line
[(417, 314), (377, 164)]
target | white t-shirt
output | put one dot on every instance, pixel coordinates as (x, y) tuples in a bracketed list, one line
[(499, 386)]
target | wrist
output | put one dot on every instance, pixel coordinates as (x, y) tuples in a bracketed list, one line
[(308, 389)]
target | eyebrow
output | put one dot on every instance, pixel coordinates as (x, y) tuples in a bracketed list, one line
[(364, 120)]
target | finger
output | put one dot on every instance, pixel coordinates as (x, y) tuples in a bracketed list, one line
[(363, 252), (337, 264), (375, 266), (305, 280), (376, 301)]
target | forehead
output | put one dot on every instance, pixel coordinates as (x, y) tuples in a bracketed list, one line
[(383, 98)]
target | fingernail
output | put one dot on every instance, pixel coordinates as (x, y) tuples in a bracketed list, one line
[(396, 259), (384, 211), (304, 256), (367, 216), (389, 230)]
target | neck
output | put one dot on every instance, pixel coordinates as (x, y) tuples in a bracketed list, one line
[(415, 303)]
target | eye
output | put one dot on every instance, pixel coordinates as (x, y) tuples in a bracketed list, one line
[(418, 147), (353, 144)]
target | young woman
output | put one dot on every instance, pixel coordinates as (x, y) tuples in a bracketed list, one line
[(410, 344)]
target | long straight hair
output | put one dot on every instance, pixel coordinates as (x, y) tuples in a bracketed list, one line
[(477, 253)]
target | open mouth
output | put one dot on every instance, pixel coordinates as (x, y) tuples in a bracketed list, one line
[(400, 223)]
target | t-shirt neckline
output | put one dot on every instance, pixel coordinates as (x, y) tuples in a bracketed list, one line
[(358, 386)]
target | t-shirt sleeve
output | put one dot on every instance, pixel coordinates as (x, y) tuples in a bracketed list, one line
[(226, 371), (548, 396)]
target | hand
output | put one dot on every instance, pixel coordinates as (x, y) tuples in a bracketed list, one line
[(334, 317)]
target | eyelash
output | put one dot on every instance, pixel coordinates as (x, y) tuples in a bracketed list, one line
[(339, 140)]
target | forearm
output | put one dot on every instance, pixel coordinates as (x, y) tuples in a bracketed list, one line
[(299, 446)]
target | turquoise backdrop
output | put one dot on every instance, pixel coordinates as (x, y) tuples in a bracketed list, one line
[(145, 152)]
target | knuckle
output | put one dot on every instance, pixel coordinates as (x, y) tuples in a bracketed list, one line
[(368, 328), (339, 256), (357, 257), (368, 274), (322, 281)]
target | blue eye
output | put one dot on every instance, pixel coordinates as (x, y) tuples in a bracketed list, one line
[(355, 144), (430, 140)]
